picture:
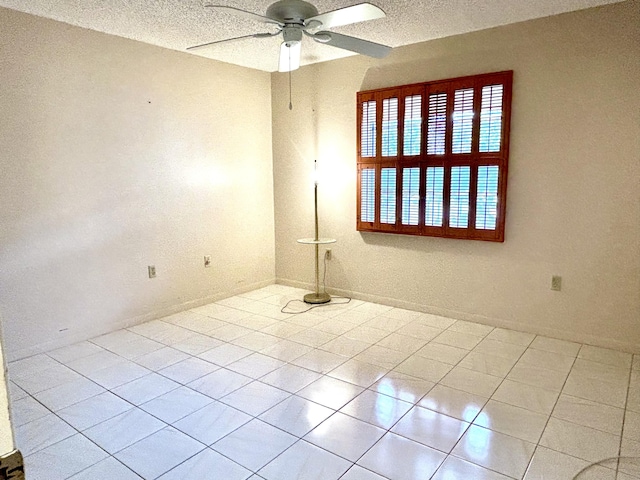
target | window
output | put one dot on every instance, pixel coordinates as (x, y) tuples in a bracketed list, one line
[(433, 157)]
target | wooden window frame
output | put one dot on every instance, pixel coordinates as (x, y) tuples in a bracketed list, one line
[(474, 159)]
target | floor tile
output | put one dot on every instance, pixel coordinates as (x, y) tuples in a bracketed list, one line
[(94, 410), (590, 414), (42, 380), (431, 428), (347, 347), (382, 357), (296, 415), (532, 398), (548, 464), (320, 361), (39, 434), (15, 392), (443, 353), (255, 398), (116, 375), (256, 365), (63, 459), (304, 460), (377, 409), (454, 403), (26, 410), (194, 321), (254, 444), (579, 441), (538, 376), (589, 388), (606, 356), (34, 364), (548, 360), (197, 344), (225, 354), (159, 452), (556, 346), (145, 388), (162, 332), (312, 337), (420, 331), (515, 421), (456, 468), (402, 343), (282, 330), (213, 422), (161, 358), (188, 370), (398, 458), (176, 404), (471, 381), (290, 378), (203, 464), (511, 336), (219, 383), (495, 451), (286, 350), (457, 339), (95, 362), (344, 435), (256, 341), (330, 392), (436, 321), (427, 369), (471, 328), (500, 349), (401, 386), (389, 324), (107, 468), (632, 426), (123, 430), (358, 373), (74, 352), (489, 364), (356, 472)]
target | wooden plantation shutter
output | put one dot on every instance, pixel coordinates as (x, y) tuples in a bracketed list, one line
[(432, 158)]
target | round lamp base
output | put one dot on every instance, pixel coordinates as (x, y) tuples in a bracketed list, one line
[(317, 298)]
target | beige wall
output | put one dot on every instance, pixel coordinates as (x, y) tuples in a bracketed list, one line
[(574, 181), (115, 155)]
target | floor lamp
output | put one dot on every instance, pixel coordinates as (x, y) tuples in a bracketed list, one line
[(316, 297)]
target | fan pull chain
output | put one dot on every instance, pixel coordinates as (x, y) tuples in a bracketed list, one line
[(290, 103)]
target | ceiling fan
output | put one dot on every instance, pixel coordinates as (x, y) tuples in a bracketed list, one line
[(295, 18)]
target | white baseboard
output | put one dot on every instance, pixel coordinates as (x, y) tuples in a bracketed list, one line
[(571, 336), (91, 332)]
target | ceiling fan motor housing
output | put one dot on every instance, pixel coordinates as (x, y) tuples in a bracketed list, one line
[(292, 35), (291, 11)]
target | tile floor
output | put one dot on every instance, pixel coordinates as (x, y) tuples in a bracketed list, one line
[(237, 390)]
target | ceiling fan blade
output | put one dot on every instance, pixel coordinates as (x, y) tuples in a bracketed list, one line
[(344, 16), (208, 44), (352, 44), (245, 14), (289, 56)]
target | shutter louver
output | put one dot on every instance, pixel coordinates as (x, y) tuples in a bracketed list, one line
[(491, 118), (437, 124), (367, 195), (412, 125), (487, 198), (434, 196), (459, 197), (368, 130), (410, 196), (462, 121), (388, 196), (390, 127)]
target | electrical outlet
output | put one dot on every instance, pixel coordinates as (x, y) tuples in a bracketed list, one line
[(327, 254), (152, 271), (207, 261), (556, 283)]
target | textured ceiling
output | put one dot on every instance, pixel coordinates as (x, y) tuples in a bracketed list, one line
[(177, 24)]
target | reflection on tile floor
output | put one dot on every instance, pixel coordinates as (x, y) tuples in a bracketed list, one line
[(237, 390)]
